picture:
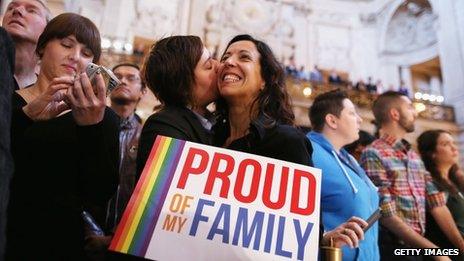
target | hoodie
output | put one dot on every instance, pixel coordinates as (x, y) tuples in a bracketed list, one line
[(346, 192)]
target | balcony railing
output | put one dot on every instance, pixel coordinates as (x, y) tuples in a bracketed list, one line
[(309, 90)]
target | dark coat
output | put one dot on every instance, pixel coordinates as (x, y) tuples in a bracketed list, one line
[(176, 122), (6, 163)]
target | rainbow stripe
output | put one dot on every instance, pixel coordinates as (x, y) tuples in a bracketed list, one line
[(138, 222)]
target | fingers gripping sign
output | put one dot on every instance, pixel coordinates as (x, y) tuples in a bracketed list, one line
[(87, 102)]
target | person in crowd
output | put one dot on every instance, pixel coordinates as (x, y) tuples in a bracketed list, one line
[(379, 88), (6, 162), (303, 74), (405, 187), (255, 114), (25, 20), (182, 74), (356, 147), (64, 146), (334, 78), (370, 86), (440, 155), (360, 85), (403, 89), (290, 68), (347, 193), (124, 100), (315, 75)]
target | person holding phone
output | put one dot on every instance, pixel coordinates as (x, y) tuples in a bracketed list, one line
[(347, 194), (64, 146)]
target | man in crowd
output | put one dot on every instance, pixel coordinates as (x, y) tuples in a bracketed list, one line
[(124, 100), (315, 75), (25, 20), (405, 187)]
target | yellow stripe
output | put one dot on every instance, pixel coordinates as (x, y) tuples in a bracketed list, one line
[(147, 193)]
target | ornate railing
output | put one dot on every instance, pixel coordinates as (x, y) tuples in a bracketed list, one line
[(309, 90)]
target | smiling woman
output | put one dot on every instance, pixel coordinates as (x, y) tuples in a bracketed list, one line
[(255, 112), (64, 145)]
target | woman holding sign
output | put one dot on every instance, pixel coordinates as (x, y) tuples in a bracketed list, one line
[(64, 145), (182, 74), (256, 114)]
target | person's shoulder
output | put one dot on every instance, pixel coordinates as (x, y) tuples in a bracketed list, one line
[(170, 113), (290, 136), (111, 115), (288, 132)]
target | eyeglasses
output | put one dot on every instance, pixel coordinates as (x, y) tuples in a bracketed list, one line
[(130, 77)]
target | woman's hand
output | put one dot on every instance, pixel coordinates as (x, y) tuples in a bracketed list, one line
[(87, 104), (348, 233), (51, 103)]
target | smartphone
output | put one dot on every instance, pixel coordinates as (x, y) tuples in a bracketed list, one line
[(91, 70), (111, 81), (373, 218)]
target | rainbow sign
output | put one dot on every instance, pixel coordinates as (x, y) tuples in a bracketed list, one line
[(210, 203)]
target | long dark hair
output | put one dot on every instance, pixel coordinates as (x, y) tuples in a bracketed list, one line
[(273, 102), (427, 145)]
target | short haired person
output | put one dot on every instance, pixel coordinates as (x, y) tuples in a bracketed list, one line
[(347, 194), (181, 73), (25, 20), (64, 144), (405, 187), (124, 100)]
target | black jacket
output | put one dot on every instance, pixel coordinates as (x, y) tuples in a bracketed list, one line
[(269, 139), (6, 162), (176, 122)]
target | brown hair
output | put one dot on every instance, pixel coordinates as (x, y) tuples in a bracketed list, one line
[(273, 101), (427, 146), (169, 69), (68, 24), (382, 106), (330, 102)]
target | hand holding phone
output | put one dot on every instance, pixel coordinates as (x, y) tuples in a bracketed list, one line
[(111, 81), (373, 218)]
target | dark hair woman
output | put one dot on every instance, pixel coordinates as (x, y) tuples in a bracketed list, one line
[(64, 145), (182, 75), (440, 156), (256, 115), (255, 108)]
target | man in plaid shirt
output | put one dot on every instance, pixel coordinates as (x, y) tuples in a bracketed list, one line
[(405, 187)]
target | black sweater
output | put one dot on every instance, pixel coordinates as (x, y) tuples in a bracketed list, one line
[(60, 168)]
